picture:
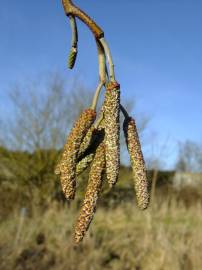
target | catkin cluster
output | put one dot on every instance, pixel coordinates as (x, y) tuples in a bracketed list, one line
[(68, 160), (98, 144)]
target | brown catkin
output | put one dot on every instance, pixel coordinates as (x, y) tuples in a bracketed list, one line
[(137, 162), (112, 131), (91, 196), (70, 152)]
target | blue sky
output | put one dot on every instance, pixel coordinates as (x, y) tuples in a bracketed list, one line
[(156, 47)]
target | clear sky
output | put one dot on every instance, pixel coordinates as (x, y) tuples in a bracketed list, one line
[(156, 46)]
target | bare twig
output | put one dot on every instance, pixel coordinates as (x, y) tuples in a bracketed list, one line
[(71, 9)]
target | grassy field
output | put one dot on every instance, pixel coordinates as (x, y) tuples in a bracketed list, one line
[(166, 236)]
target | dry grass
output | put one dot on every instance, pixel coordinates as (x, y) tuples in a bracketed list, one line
[(167, 236)]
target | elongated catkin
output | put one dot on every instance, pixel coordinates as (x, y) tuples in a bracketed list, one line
[(80, 166), (91, 196), (86, 141), (112, 131), (87, 150), (83, 147), (84, 163), (70, 152), (137, 162), (87, 157)]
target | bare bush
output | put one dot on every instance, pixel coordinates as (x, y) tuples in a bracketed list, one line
[(189, 157)]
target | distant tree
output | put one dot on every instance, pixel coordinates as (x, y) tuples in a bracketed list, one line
[(42, 114), (189, 157)]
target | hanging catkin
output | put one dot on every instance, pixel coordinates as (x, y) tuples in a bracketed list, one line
[(112, 130), (80, 166), (91, 196), (83, 147), (137, 162), (70, 152), (88, 139), (87, 150), (87, 157), (84, 163)]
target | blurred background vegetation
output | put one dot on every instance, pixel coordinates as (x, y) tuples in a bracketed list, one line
[(36, 220)]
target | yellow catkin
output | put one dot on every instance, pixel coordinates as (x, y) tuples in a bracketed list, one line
[(87, 140), (112, 131), (86, 159), (83, 147), (137, 162), (80, 166), (91, 196), (87, 150), (69, 156), (84, 163)]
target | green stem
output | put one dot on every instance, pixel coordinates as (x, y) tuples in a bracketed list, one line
[(71, 9), (123, 110), (96, 96), (74, 31), (101, 61), (109, 58)]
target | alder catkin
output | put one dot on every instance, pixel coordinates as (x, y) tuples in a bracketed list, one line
[(84, 163), (137, 162), (91, 196), (86, 141), (69, 156), (112, 131), (87, 150), (80, 166), (84, 160), (83, 147)]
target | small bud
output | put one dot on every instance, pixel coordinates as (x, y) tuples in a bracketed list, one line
[(57, 169), (72, 57)]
